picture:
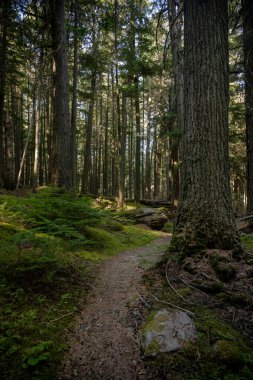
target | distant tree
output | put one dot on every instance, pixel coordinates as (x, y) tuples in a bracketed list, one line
[(205, 217)]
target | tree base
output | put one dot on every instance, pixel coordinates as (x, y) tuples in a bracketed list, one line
[(198, 236)]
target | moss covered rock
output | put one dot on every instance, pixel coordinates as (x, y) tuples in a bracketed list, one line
[(167, 331)]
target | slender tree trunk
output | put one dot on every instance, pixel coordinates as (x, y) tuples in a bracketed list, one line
[(247, 10), (89, 128), (106, 156), (137, 190), (148, 141), (157, 166), (130, 150), (17, 136), (25, 151), (122, 154), (36, 152), (42, 155), (205, 217), (62, 149), (114, 138), (9, 159)]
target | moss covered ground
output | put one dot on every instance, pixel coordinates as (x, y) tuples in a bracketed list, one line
[(221, 309), (50, 243)]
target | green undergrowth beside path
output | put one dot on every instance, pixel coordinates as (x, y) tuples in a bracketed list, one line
[(50, 243), (220, 307)]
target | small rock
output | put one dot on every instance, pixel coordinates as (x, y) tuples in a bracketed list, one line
[(167, 332)]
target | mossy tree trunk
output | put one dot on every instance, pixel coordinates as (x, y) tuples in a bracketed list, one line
[(205, 217)]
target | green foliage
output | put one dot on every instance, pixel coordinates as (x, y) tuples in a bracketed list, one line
[(51, 212), (247, 241), (36, 354), (49, 242), (99, 236), (168, 227)]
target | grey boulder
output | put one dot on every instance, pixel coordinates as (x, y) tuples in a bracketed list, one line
[(167, 331)]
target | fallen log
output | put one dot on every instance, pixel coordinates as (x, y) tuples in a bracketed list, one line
[(247, 217), (156, 203)]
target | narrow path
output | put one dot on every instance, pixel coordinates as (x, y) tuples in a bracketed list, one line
[(105, 344)]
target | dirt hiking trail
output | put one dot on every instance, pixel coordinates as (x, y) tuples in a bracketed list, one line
[(105, 342)]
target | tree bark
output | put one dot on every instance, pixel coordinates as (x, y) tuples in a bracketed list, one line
[(205, 217), (130, 152), (62, 150), (9, 159), (247, 10), (74, 101), (36, 152), (137, 189), (148, 141), (3, 52), (87, 153), (106, 156), (175, 22), (122, 154)]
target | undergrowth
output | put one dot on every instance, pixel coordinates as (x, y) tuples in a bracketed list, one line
[(49, 245), (223, 349), (219, 352)]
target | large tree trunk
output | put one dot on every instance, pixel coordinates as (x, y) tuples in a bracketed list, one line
[(62, 155), (74, 101), (5, 5), (247, 7), (205, 216), (175, 22)]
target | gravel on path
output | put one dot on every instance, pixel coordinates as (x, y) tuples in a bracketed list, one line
[(105, 343)]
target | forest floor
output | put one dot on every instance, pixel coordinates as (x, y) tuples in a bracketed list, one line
[(105, 342), (79, 282), (51, 244), (129, 288)]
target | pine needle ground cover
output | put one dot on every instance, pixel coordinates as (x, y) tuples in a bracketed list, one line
[(50, 243)]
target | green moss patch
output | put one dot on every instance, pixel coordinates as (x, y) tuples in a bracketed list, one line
[(221, 313), (168, 227)]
